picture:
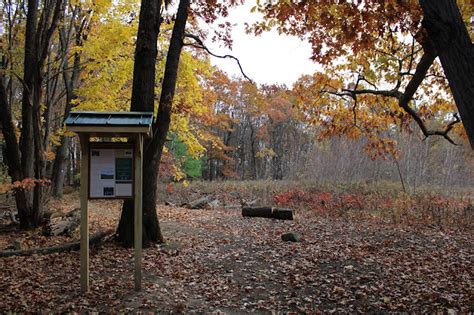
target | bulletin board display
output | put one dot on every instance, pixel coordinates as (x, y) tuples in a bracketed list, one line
[(111, 171)]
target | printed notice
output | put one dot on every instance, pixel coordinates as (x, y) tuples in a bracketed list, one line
[(111, 173), (123, 169)]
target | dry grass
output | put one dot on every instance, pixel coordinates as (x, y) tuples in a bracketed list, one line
[(381, 201)]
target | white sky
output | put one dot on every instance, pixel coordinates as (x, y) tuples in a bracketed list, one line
[(268, 58)]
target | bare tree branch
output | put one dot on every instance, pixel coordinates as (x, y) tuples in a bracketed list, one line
[(404, 98), (199, 44), (388, 93), (363, 78)]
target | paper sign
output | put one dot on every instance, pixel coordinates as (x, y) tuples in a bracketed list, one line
[(111, 173)]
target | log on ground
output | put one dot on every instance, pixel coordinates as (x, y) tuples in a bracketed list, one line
[(283, 214), (62, 224), (95, 240), (261, 212), (268, 212)]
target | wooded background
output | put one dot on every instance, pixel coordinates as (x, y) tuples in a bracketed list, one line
[(394, 101)]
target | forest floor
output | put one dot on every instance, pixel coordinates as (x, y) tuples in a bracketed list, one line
[(215, 260)]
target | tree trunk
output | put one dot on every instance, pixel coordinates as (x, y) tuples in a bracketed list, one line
[(37, 46), (70, 81), (59, 167), (154, 148), (94, 240), (39, 154), (253, 151), (27, 147), (143, 95), (449, 35), (12, 148), (151, 225), (51, 88), (260, 212), (8, 130), (26, 140)]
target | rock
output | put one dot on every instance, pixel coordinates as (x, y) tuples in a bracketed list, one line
[(198, 203), (291, 237), (213, 204)]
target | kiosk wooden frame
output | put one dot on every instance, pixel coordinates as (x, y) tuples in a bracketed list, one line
[(134, 126)]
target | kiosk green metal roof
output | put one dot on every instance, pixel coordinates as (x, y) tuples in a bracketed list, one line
[(116, 123)]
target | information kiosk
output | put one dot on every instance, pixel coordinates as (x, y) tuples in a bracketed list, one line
[(110, 170)]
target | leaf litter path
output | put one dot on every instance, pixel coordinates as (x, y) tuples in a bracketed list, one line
[(216, 260)]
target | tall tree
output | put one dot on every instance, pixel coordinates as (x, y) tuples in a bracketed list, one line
[(147, 32), (143, 95), (71, 34), (39, 29)]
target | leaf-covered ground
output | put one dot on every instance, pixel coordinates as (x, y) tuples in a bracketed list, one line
[(216, 260)]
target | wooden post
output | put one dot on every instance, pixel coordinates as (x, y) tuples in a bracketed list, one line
[(138, 211), (84, 213)]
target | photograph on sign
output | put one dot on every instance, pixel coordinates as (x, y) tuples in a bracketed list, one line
[(111, 172)]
